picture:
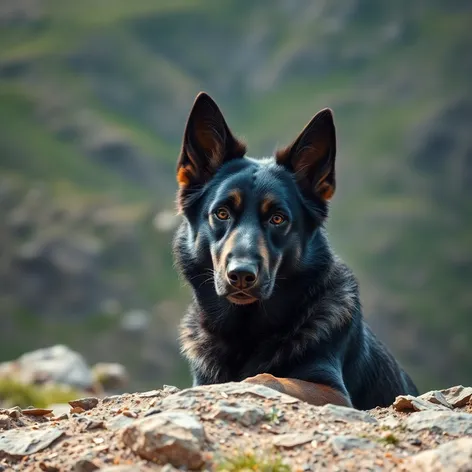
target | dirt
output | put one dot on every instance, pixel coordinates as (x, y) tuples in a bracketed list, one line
[(305, 437)]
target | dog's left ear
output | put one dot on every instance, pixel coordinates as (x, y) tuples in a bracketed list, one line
[(311, 156), (207, 144)]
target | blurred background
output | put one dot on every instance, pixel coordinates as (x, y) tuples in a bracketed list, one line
[(93, 100)]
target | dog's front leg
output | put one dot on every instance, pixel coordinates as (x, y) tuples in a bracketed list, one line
[(313, 393)]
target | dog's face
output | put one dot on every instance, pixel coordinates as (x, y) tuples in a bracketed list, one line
[(249, 220)]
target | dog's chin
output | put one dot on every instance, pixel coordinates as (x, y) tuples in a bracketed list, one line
[(241, 299)]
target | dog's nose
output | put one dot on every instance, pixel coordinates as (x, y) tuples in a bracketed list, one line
[(242, 275)]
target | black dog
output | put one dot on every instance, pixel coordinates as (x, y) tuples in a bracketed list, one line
[(271, 301)]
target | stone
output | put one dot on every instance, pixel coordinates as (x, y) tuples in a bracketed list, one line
[(346, 443), (454, 456), (436, 397), (87, 403), (150, 394), (118, 422), (37, 412), (94, 424), (238, 388), (85, 465), (170, 389), (409, 402), (450, 422), (172, 436), (5, 422), (110, 375), (290, 440), (45, 467), (127, 468), (178, 402), (18, 442), (346, 414), (244, 413), (390, 422), (458, 396), (57, 364)]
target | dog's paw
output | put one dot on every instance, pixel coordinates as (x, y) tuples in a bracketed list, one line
[(268, 380)]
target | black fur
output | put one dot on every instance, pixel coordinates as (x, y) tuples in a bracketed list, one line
[(306, 320)]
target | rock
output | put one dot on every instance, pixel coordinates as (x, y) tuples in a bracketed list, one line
[(150, 394), (37, 412), (458, 396), (290, 440), (445, 421), (173, 437), (57, 364), (390, 422), (94, 424), (5, 422), (14, 412), (22, 443), (77, 410), (346, 414), (245, 413), (128, 468), (85, 403), (346, 443), (118, 422), (237, 388), (436, 397), (45, 467), (409, 402), (170, 389), (454, 456), (178, 402), (110, 375), (85, 465)]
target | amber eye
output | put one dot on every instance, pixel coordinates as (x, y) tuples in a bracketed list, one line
[(277, 219), (222, 213)]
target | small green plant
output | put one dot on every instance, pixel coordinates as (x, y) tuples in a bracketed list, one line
[(389, 438), (14, 393), (275, 415), (250, 462)]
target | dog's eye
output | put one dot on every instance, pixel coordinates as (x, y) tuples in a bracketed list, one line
[(222, 213), (277, 219)]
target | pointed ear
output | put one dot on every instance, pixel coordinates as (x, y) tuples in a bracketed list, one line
[(207, 144), (311, 156)]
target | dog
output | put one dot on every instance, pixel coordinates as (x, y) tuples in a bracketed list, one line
[(272, 303)]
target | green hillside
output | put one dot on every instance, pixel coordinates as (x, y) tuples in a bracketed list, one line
[(93, 101)]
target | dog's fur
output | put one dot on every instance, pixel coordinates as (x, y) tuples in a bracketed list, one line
[(295, 322)]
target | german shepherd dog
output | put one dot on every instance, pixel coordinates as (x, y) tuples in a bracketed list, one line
[(272, 304)]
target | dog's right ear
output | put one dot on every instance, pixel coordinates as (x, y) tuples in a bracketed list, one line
[(207, 144)]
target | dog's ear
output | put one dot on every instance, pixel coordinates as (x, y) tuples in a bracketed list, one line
[(207, 144), (311, 156)]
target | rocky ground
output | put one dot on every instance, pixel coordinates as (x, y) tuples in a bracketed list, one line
[(236, 427)]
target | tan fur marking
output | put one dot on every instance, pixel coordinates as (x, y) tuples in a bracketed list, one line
[(325, 190), (315, 394), (228, 246), (263, 251), (183, 176), (266, 203), (237, 198)]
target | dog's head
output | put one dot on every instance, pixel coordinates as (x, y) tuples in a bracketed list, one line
[(249, 222)]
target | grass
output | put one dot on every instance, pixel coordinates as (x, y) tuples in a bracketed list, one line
[(250, 461), (15, 393)]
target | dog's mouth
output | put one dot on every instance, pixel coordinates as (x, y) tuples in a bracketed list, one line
[(241, 298)]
